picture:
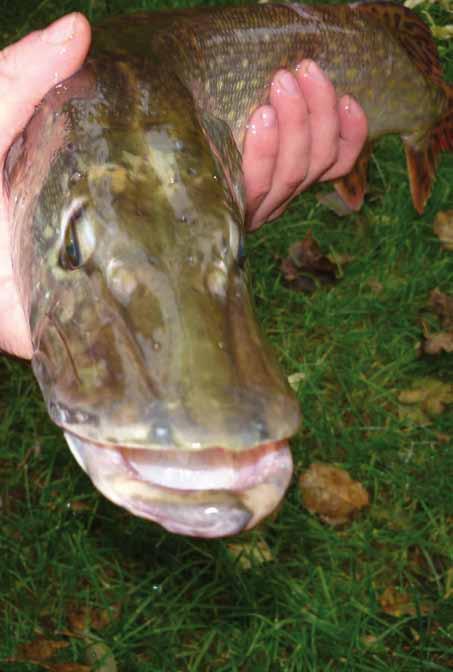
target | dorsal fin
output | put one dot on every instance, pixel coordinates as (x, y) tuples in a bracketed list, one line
[(411, 32)]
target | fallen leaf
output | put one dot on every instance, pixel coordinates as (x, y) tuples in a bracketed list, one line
[(82, 618), (375, 286), (434, 344), (41, 648), (442, 304), (79, 506), (97, 653), (306, 254), (295, 379), (442, 32), (250, 554), (306, 267), (429, 395), (398, 603), (443, 228), (331, 493)]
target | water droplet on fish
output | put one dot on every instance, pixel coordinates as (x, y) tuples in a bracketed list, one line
[(156, 346), (183, 219), (221, 345), (191, 260), (214, 177), (156, 588), (179, 145), (172, 180)]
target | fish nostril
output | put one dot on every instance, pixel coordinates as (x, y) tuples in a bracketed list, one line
[(160, 434), (121, 280), (216, 282), (261, 429)]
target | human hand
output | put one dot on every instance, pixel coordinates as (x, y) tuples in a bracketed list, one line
[(28, 69), (305, 134)]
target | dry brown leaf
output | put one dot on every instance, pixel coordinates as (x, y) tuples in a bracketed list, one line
[(331, 493), (81, 619), (307, 267), (427, 398), (41, 648), (434, 344), (375, 286), (442, 341), (398, 603), (442, 304), (306, 254), (99, 654), (79, 506), (443, 228), (295, 379)]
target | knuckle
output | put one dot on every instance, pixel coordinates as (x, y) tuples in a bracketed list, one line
[(329, 157), (292, 183)]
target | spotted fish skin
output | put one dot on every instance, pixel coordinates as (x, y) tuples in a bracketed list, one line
[(379, 52), (128, 206)]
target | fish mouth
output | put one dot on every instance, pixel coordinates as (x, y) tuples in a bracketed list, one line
[(209, 493)]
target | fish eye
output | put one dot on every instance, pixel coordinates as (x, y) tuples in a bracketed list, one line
[(70, 254)]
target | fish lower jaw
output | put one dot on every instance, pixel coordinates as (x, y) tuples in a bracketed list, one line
[(211, 493)]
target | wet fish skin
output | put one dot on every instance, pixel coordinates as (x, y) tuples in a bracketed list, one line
[(129, 178), (379, 52)]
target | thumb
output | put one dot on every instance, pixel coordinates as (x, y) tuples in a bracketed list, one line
[(30, 67)]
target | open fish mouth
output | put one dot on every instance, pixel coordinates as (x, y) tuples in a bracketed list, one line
[(209, 493)]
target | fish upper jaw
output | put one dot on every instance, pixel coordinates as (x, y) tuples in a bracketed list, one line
[(211, 493)]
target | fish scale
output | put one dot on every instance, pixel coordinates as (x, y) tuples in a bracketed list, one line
[(128, 212)]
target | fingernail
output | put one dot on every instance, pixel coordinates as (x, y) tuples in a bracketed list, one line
[(287, 82), (310, 69), (350, 106), (61, 31), (268, 117)]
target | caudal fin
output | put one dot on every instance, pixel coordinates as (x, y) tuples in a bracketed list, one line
[(422, 153)]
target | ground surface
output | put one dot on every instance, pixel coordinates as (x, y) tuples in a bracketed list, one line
[(374, 595)]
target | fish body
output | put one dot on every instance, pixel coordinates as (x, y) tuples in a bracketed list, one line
[(128, 208)]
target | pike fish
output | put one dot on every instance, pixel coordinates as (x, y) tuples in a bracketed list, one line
[(127, 200)]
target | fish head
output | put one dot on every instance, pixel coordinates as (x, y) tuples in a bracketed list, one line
[(145, 342)]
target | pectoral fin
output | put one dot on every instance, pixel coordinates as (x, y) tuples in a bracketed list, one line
[(352, 187)]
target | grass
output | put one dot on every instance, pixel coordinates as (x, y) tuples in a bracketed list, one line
[(160, 602)]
